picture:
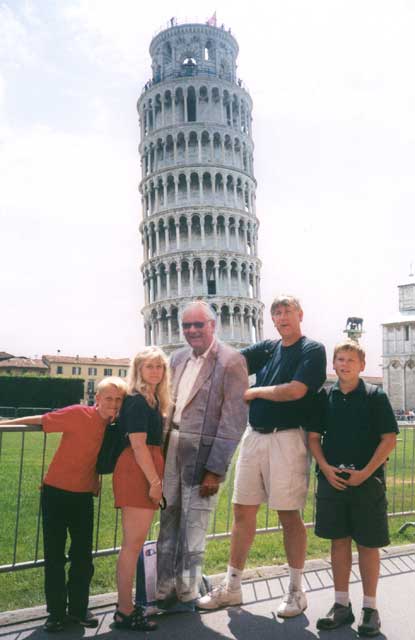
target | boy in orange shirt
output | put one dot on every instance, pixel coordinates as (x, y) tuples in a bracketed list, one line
[(67, 500)]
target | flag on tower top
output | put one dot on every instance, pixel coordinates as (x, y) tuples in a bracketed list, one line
[(212, 21)]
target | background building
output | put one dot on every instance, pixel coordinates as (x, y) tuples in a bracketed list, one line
[(199, 228), (20, 366), (92, 370), (399, 350)]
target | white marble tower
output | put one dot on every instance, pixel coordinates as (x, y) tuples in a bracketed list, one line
[(199, 227)]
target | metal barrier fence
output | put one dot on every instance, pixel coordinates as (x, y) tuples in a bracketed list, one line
[(24, 456), (19, 412)]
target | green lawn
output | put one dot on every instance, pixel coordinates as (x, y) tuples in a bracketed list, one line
[(25, 588)]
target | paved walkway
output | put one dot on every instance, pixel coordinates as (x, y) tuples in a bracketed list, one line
[(256, 619)]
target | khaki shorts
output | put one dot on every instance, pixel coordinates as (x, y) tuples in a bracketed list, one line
[(273, 468)]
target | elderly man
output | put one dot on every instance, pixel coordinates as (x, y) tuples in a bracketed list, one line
[(273, 464), (207, 420)]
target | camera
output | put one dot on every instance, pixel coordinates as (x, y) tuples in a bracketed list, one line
[(344, 474)]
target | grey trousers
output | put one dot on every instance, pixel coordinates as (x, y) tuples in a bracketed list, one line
[(183, 526)]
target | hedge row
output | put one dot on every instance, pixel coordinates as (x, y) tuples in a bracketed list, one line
[(40, 391)]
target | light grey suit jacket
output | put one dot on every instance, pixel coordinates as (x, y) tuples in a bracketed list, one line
[(215, 415)]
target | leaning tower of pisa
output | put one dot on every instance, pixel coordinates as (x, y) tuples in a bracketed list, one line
[(199, 228)]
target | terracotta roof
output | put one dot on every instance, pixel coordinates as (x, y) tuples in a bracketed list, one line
[(23, 363), (5, 356), (94, 360)]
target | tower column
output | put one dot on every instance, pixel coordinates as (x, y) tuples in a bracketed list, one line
[(202, 229), (238, 272), (185, 106), (191, 266), (157, 241), (204, 279), (169, 333), (227, 232), (189, 233), (177, 224), (201, 188), (216, 271), (228, 274), (168, 281), (158, 283), (179, 280), (166, 237)]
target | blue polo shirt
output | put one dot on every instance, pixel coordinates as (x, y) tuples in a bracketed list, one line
[(274, 364)]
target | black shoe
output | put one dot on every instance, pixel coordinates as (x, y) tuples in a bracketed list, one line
[(53, 624), (88, 620), (136, 621), (167, 603), (336, 617), (369, 624)]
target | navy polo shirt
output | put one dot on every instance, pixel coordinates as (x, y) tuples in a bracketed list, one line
[(352, 425), (274, 364)]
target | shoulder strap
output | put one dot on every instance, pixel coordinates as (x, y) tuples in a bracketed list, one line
[(371, 389), (371, 392)]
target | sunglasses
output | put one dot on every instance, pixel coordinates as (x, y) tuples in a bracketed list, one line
[(196, 325)]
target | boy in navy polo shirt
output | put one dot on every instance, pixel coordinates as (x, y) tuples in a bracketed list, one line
[(356, 434)]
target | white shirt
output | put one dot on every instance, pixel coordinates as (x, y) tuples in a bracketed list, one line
[(189, 376)]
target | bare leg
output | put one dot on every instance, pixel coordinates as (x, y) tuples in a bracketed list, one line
[(369, 565), (243, 533), (135, 524), (341, 562), (295, 538)]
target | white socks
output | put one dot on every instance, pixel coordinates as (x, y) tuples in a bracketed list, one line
[(342, 597), (369, 602), (296, 577), (233, 578)]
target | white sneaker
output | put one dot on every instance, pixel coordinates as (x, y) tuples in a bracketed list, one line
[(293, 603), (220, 597)]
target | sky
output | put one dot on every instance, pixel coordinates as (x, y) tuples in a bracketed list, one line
[(333, 123)]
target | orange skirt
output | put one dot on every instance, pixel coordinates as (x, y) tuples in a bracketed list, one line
[(131, 487)]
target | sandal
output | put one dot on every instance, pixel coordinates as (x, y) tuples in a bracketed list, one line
[(136, 621)]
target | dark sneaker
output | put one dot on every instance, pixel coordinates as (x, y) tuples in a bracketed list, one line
[(336, 617), (53, 624), (369, 624), (88, 620)]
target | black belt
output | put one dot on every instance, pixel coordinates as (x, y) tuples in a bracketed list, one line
[(275, 429), (175, 426)]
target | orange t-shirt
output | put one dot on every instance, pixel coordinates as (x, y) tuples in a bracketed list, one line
[(73, 465)]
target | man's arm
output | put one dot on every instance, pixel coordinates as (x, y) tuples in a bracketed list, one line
[(293, 390), (310, 374), (22, 421), (386, 445), (314, 443), (257, 355)]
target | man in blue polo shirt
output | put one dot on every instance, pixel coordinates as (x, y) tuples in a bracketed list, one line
[(273, 464)]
